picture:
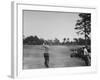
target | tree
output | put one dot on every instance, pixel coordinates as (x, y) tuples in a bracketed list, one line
[(83, 25), (56, 41), (68, 40), (33, 40), (50, 42), (64, 40), (76, 40)]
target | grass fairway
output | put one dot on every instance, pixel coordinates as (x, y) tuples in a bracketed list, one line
[(59, 57)]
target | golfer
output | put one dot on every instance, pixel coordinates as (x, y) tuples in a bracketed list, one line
[(46, 54)]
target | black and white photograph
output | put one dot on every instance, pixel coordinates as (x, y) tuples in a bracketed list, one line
[(54, 39)]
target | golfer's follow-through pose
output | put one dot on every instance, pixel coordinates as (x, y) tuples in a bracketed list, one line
[(46, 55)]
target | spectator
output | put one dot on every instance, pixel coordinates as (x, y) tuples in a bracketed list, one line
[(86, 56)]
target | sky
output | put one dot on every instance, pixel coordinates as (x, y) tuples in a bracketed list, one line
[(50, 25)]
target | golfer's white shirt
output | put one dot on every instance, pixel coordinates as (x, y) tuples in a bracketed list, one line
[(86, 52), (46, 48)]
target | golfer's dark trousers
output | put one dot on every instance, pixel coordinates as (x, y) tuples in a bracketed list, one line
[(46, 57)]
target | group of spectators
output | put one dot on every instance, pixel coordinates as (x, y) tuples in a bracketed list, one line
[(84, 53)]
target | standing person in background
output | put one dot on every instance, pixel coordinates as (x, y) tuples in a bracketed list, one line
[(86, 56), (46, 54)]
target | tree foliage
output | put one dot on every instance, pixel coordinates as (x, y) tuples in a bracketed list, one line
[(83, 25), (33, 40), (81, 41)]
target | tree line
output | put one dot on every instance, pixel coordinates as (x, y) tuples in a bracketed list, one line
[(35, 40)]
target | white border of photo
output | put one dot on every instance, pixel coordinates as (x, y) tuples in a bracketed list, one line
[(17, 43)]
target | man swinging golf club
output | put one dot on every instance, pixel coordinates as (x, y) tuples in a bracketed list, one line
[(46, 54)]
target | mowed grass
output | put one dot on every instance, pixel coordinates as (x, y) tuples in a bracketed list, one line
[(59, 57)]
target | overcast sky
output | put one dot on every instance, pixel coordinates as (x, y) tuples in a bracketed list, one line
[(50, 25)]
